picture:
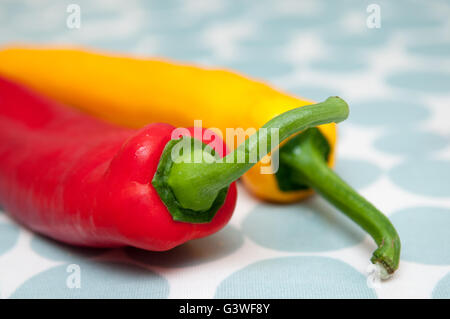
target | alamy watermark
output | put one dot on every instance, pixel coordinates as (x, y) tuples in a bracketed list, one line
[(73, 20), (73, 281), (376, 273), (373, 20), (260, 143)]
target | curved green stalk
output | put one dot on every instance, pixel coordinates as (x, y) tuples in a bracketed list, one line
[(303, 156), (197, 185)]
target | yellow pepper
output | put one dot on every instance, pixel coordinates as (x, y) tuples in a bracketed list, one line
[(134, 92)]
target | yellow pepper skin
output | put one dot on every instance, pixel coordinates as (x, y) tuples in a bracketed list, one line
[(133, 92)]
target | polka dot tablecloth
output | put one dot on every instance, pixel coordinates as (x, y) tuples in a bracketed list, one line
[(394, 149)]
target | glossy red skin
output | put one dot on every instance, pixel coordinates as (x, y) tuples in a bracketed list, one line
[(86, 182)]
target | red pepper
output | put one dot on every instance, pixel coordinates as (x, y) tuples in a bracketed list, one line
[(86, 182)]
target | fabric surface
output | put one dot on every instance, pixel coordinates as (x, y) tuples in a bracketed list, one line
[(394, 149)]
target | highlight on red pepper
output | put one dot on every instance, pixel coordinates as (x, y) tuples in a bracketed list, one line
[(86, 182)]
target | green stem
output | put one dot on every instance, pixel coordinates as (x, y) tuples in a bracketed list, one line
[(197, 185), (306, 163)]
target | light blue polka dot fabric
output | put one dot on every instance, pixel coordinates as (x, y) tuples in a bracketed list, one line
[(311, 226), (10, 234), (106, 280), (424, 233), (394, 148), (296, 277)]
